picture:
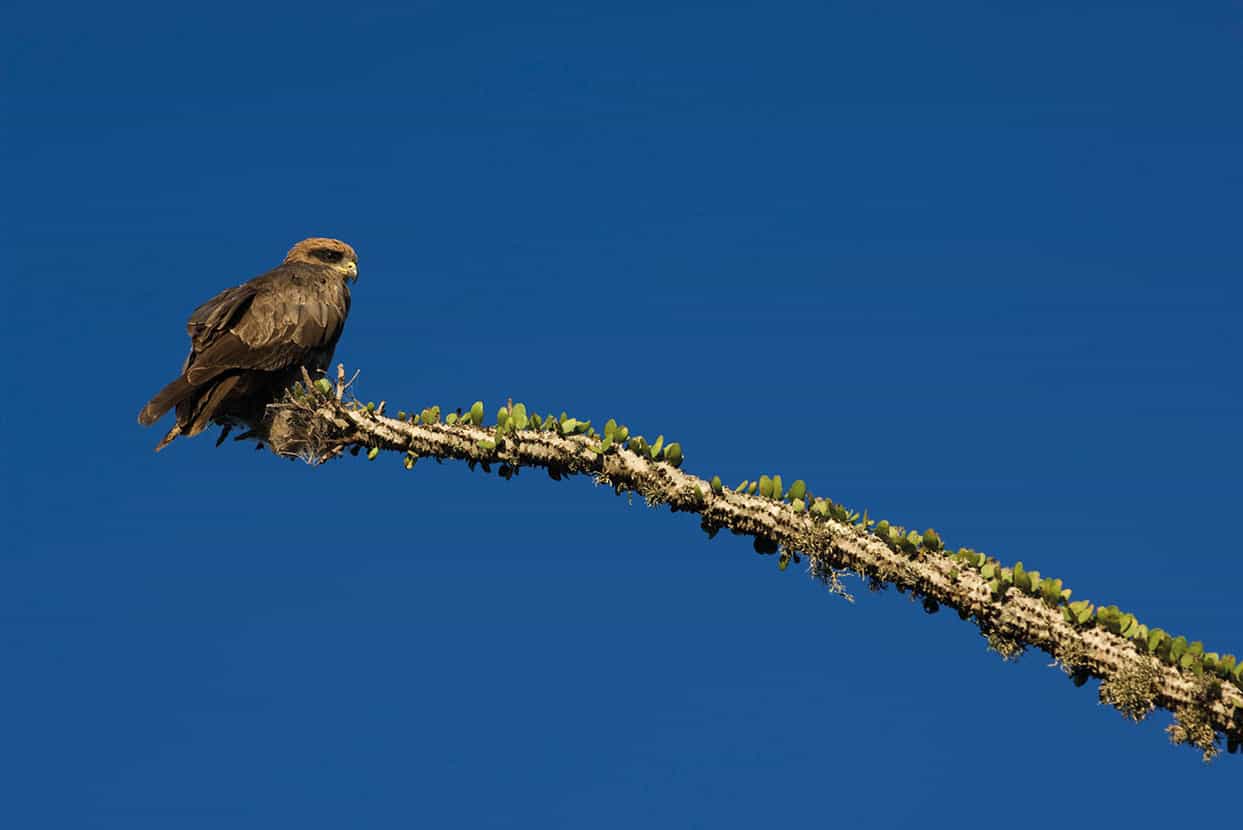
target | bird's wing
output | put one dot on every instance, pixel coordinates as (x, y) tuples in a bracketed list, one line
[(276, 321), (216, 315)]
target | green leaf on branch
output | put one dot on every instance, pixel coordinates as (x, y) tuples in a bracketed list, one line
[(518, 416), (673, 454)]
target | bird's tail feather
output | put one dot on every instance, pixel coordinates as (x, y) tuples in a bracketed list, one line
[(167, 439), (164, 400)]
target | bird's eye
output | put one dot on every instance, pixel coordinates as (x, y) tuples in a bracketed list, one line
[(327, 254)]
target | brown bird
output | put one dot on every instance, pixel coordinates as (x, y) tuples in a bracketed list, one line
[(249, 343)]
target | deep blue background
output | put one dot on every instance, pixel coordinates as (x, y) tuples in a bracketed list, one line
[(968, 265)]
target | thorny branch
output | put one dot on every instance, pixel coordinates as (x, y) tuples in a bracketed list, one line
[(318, 424)]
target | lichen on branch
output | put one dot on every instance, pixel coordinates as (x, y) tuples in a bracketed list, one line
[(1140, 668)]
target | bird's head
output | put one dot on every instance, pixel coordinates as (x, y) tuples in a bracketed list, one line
[(331, 252)]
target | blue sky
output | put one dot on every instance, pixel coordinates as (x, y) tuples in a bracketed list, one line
[(972, 266)]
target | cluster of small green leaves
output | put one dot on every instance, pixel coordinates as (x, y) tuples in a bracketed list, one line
[(321, 388), (912, 543), (428, 416), (431, 415), (514, 418), (1001, 579), (1174, 651), (658, 450), (799, 499)]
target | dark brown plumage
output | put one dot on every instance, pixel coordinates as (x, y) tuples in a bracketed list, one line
[(249, 343)]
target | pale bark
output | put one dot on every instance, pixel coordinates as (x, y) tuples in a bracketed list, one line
[(320, 426)]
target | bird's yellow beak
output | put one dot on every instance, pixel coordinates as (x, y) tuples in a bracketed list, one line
[(352, 268)]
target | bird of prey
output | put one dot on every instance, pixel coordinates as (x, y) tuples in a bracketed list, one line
[(249, 343)]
